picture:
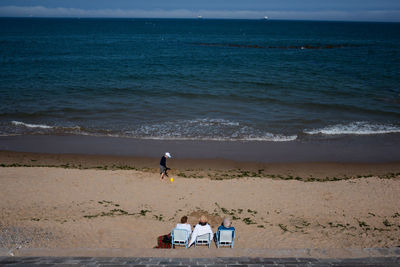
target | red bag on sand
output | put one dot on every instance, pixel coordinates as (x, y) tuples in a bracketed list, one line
[(164, 241)]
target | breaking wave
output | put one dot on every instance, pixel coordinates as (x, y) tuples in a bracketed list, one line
[(200, 129), (20, 123), (356, 128), (206, 129), (196, 129), (30, 128)]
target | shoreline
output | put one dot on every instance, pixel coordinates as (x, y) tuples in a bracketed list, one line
[(215, 169), (359, 149)]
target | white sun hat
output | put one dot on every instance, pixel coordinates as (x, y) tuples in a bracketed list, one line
[(168, 154)]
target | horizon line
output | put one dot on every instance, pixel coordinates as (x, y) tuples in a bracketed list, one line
[(378, 15), (194, 18)]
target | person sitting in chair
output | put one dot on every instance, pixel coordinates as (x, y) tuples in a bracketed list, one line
[(164, 241), (201, 228), (184, 225), (226, 225)]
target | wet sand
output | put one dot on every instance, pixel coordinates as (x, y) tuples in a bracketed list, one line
[(371, 149)]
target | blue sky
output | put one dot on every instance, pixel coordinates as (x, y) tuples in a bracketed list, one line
[(353, 10)]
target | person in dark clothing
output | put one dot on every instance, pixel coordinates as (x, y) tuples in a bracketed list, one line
[(163, 165)]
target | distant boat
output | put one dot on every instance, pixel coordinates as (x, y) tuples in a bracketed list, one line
[(265, 17), (199, 17)]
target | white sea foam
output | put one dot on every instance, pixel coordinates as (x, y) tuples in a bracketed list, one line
[(356, 128), (212, 122), (205, 129), (48, 129), (273, 138), (42, 126)]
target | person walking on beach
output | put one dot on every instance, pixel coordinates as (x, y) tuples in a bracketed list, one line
[(163, 165)]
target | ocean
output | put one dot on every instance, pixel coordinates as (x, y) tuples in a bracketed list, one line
[(199, 79)]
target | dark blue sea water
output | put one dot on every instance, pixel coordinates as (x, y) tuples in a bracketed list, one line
[(199, 79)]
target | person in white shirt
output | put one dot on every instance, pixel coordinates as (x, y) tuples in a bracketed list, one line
[(200, 229), (184, 225)]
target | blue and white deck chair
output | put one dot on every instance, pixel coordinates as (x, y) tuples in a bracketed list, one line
[(179, 237), (203, 240), (225, 238)]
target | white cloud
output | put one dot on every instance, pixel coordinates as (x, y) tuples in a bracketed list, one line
[(40, 11)]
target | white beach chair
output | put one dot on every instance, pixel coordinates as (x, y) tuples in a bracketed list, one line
[(225, 238), (203, 240), (179, 237)]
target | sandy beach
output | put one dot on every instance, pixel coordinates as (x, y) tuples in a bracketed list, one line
[(70, 207)]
